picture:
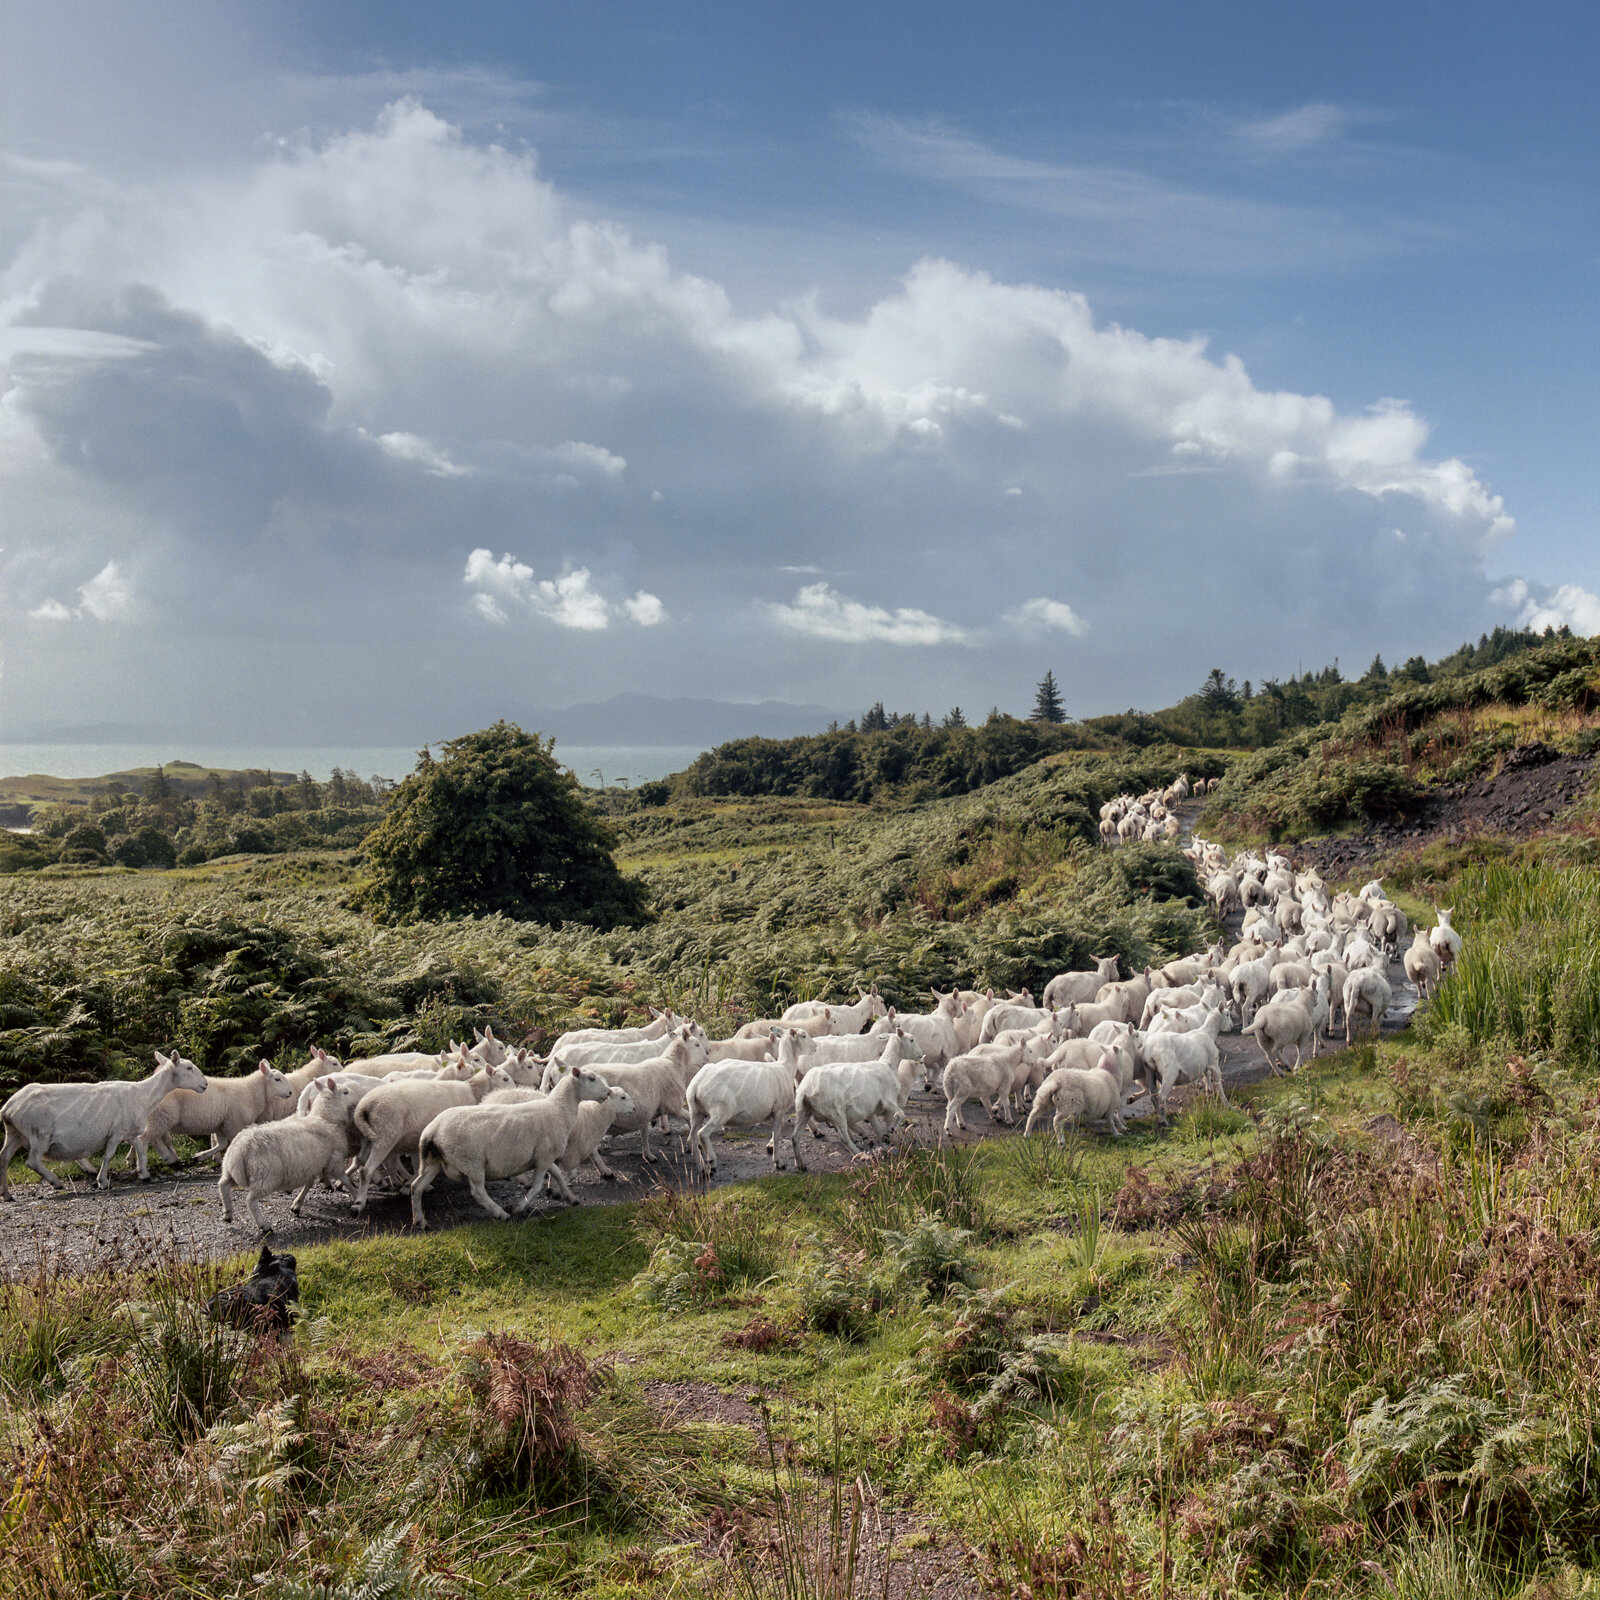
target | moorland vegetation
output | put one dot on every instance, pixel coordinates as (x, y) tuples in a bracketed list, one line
[(1338, 1338)]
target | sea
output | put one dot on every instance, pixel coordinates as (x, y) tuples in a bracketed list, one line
[(596, 766)]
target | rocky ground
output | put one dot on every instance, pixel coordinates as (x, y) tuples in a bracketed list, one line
[(1535, 784)]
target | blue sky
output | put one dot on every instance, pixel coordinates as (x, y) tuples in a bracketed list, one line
[(486, 357)]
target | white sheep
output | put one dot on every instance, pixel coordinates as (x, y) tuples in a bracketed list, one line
[(228, 1106), (656, 1087), (1066, 988), (275, 1157), (857, 1093), (1077, 1096), (1176, 1058), (1445, 940), (1367, 994), (588, 1132), (390, 1118), (837, 1018), (1296, 1018), (1422, 963), (73, 1121), (741, 1094), (486, 1142), (986, 1073)]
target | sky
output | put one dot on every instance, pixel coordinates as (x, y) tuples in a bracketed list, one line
[(373, 371)]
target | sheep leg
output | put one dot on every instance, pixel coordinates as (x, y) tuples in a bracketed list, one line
[(86, 1164), (225, 1188), (299, 1199), (777, 1137), (103, 1181), (141, 1153), (843, 1125), (424, 1180), (255, 1211), (376, 1155), (794, 1139)]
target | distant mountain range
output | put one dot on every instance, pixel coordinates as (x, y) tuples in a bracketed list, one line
[(624, 719)]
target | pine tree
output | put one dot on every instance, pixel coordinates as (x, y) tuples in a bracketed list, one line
[(876, 719), (955, 717), (1047, 705)]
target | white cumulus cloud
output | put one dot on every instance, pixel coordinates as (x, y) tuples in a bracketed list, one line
[(414, 448), (646, 609), (1046, 613), (501, 587), (1537, 605), (106, 597), (823, 614)]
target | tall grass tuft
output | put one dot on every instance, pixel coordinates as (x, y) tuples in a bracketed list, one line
[(911, 1182), (1529, 972)]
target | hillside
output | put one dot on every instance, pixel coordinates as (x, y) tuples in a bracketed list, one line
[(1397, 763)]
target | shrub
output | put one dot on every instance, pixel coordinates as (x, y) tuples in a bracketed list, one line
[(496, 825)]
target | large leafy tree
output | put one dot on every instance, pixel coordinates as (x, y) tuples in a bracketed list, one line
[(496, 825)]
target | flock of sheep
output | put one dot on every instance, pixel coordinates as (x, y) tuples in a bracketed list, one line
[(484, 1112)]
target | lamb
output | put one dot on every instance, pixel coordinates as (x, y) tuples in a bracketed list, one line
[(390, 1118), (1291, 1020), (72, 1121), (594, 1123), (1367, 991), (228, 1106), (1077, 1096), (1130, 995), (1422, 964), (1175, 1058), (741, 1094), (1446, 941), (275, 1157), (486, 1142), (847, 1096), (1066, 988)]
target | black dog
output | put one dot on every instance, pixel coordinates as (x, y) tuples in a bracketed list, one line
[(264, 1301)]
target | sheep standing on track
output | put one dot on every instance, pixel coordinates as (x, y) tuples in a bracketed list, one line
[(74, 1121), (1176, 1058), (852, 1095), (1076, 1095), (1296, 1018), (588, 1132), (390, 1118), (226, 1109), (1366, 995), (487, 1142), (275, 1157), (742, 1094)]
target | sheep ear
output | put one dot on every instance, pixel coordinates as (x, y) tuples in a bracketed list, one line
[(161, 1060), (265, 1066), (488, 1034)]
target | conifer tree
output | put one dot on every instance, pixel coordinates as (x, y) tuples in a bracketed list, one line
[(1047, 705)]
